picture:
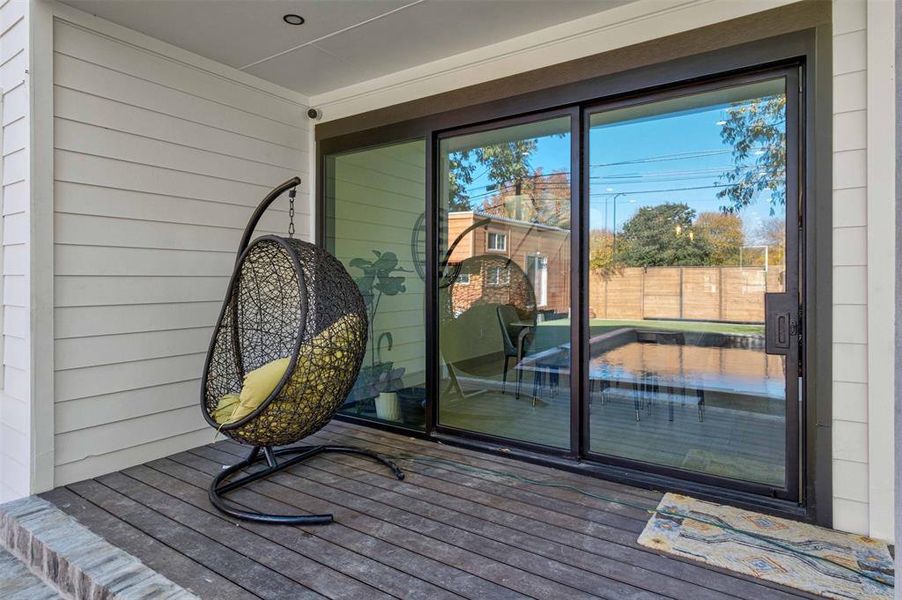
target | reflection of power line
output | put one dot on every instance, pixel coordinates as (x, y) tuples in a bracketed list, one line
[(666, 157), (526, 178), (679, 156), (621, 179), (682, 172), (687, 189)]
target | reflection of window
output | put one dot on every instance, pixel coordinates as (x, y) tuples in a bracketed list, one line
[(463, 279), (537, 272), (497, 276), (496, 241)]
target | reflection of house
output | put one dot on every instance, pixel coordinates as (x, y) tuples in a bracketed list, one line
[(541, 251)]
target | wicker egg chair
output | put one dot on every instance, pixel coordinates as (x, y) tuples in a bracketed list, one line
[(290, 303)]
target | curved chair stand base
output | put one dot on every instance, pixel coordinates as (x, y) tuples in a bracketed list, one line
[(221, 484)]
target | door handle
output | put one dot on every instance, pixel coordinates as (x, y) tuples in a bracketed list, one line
[(780, 322)]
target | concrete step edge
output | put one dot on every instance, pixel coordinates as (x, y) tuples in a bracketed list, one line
[(78, 562)]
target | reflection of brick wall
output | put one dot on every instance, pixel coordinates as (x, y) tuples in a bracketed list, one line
[(699, 293), (513, 288), (702, 293), (522, 241)]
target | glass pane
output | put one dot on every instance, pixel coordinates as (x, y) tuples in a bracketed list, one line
[(687, 233), (504, 283), (375, 202)]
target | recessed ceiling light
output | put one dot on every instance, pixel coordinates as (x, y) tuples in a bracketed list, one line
[(293, 19)]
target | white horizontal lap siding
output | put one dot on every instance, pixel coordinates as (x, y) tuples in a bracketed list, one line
[(855, 475), (159, 163), (15, 388)]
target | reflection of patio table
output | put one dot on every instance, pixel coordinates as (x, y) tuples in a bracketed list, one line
[(546, 370), (644, 391)]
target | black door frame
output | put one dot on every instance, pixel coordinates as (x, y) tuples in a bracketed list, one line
[(809, 47), (792, 76), (433, 425)]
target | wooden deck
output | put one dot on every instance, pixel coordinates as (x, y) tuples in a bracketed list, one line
[(444, 532)]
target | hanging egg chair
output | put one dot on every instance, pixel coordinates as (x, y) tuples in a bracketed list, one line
[(285, 353)]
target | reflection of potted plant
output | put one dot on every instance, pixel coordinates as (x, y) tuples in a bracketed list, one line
[(379, 379), (383, 389)]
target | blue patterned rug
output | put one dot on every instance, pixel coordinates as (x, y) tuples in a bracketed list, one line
[(821, 561)]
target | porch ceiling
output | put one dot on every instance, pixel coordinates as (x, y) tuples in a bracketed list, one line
[(343, 41)]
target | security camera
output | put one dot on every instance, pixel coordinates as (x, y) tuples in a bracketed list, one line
[(314, 113)]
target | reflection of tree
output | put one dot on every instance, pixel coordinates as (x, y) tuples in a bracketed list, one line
[(662, 235), (601, 253), (460, 175), (724, 234), (540, 198), (755, 128), (506, 164), (772, 233)]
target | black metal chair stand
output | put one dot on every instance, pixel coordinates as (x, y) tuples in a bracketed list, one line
[(288, 300), (222, 486)]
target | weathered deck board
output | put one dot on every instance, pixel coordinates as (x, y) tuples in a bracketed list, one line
[(444, 532), (507, 545), (155, 554), (225, 561), (437, 569)]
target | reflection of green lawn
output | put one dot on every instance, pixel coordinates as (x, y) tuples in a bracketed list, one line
[(705, 326), (554, 333)]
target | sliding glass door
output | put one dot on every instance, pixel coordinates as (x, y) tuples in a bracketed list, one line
[(693, 260), (504, 277), (616, 282)]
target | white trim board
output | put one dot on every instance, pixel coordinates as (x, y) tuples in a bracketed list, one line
[(41, 243), (881, 243)]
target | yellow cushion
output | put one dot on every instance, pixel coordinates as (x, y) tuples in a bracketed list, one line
[(259, 383), (226, 406)]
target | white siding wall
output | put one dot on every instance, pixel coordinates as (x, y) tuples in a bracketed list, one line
[(15, 395), (850, 374), (863, 242), (862, 367), (158, 164)]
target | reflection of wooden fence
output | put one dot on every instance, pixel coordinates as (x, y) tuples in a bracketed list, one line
[(703, 293)]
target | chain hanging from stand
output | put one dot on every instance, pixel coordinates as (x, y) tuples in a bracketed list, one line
[(291, 194)]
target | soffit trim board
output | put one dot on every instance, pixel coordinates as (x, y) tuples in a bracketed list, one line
[(751, 28)]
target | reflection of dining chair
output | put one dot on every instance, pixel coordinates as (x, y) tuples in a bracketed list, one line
[(516, 337)]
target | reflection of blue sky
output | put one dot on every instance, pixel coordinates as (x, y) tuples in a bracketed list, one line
[(646, 162), (656, 160)]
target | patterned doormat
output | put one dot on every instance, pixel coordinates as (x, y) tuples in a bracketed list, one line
[(810, 558)]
